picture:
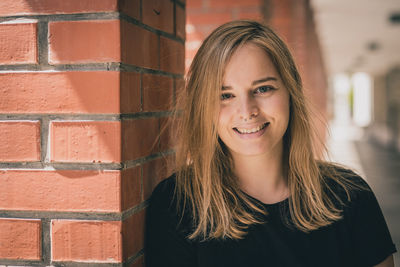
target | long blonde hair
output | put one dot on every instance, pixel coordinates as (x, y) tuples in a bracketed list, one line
[(205, 184)]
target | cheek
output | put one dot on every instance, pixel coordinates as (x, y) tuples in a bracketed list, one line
[(277, 107), (224, 120)]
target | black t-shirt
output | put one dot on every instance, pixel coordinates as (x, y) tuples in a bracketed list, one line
[(360, 238)]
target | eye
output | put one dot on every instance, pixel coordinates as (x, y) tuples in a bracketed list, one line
[(226, 96), (264, 89)]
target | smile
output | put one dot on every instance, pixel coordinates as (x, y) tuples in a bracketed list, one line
[(252, 130)]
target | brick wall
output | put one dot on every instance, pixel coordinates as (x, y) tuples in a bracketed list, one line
[(84, 90), (203, 16), (294, 22)]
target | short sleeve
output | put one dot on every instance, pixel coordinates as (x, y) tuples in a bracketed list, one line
[(164, 244), (370, 234)]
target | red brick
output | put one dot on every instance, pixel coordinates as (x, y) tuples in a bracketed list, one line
[(131, 187), (195, 35), (62, 190), (281, 18), (130, 92), (139, 138), (133, 234), (84, 41), (19, 141), (282, 7), (193, 44), (153, 173), (254, 15), (172, 56), (159, 14), (233, 4), (130, 7), (179, 86), (60, 92), (87, 141), (189, 57), (188, 62), (98, 241), (18, 42), (180, 22), (157, 92), (195, 4), (165, 137), (30, 7), (20, 239), (209, 18), (139, 46)]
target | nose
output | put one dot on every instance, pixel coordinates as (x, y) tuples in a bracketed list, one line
[(248, 108)]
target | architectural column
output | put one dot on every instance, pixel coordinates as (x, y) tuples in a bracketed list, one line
[(85, 87)]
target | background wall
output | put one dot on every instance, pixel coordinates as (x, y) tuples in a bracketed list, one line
[(385, 127), (84, 90)]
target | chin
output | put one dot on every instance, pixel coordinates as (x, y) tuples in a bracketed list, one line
[(248, 151)]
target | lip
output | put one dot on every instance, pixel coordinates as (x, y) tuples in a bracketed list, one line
[(251, 135)]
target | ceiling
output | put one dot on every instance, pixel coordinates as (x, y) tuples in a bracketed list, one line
[(357, 35)]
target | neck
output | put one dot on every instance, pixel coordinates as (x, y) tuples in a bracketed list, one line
[(262, 176)]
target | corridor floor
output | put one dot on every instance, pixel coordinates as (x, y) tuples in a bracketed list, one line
[(378, 165), (381, 168)]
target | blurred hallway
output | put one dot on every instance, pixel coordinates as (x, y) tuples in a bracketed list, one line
[(382, 168), (378, 165)]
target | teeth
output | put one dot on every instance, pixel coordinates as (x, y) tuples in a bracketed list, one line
[(253, 130)]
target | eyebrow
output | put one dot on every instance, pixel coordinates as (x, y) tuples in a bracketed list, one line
[(263, 80), (266, 79)]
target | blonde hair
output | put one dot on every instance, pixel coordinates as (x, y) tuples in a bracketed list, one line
[(205, 184)]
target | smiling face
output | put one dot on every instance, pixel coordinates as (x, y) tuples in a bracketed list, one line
[(254, 104)]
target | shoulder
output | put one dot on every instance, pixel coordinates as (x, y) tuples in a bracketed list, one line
[(344, 184), (164, 187), (162, 210), (362, 216), (163, 194), (334, 175), (351, 194), (332, 171), (166, 242)]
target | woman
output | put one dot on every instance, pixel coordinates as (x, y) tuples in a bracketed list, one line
[(247, 190)]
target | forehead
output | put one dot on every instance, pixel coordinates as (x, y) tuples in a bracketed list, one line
[(248, 63)]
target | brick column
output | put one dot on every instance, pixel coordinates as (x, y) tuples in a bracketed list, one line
[(293, 20), (203, 16), (84, 89)]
